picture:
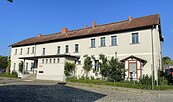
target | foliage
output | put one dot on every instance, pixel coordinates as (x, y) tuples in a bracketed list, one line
[(69, 68), (3, 62), (87, 64), (128, 84), (116, 70), (8, 67), (14, 73), (145, 80), (166, 60), (104, 71), (112, 69), (8, 75)]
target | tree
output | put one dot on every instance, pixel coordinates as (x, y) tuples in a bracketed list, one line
[(116, 70), (166, 60), (104, 70), (112, 69), (69, 69), (87, 64), (3, 62)]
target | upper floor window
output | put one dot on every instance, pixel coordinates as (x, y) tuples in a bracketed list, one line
[(44, 51), (113, 40), (102, 42), (66, 49), (135, 38), (76, 47), (15, 52), (93, 43), (58, 50), (33, 49), (28, 51), (21, 51)]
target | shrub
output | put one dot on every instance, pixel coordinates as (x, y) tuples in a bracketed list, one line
[(14, 73)]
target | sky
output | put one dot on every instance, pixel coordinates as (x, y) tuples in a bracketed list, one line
[(27, 18)]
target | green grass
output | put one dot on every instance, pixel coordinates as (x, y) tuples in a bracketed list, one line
[(127, 84), (8, 75)]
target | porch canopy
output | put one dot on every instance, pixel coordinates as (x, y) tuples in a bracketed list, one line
[(48, 56), (134, 57)]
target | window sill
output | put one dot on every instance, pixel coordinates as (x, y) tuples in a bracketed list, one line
[(112, 45), (92, 47), (134, 43), (102, 46)]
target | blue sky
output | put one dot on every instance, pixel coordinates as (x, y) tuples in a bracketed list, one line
[(26, 18)]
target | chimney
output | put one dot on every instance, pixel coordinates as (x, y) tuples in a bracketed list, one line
[(39, 35), (130, 18), (85, 26), (93, 24), (64, 30)]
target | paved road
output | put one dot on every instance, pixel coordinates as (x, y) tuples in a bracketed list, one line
[(17, 90)]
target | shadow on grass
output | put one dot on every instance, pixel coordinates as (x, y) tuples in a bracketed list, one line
[(46, 93)]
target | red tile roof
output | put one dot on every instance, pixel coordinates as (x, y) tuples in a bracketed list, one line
[(99, 29)]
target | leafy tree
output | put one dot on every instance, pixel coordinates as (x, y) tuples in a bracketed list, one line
[(69, 69), (87, 64), (116, 70), (8, 67), (112, 69), (166, 60), (104, 70), (21, 66), (3, 62)]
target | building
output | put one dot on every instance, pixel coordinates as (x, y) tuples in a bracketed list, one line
[(136, 42)]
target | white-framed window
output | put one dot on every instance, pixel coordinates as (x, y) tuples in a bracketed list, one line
[(50, 60), (28, 51), (54, 60), (33, 48), (66, 48), (102, 42), (58, 60), (27, 66), (76, 48), (58, 49), (42, 60), (21, 51), (44, 51), (93, 43), (15, 53), (135, 38), (14, 66), (46, 60), (113, 40)]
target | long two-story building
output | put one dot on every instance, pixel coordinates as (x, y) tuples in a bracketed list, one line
[(135, 41)]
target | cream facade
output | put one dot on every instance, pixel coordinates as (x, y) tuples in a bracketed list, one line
[(48, 59)]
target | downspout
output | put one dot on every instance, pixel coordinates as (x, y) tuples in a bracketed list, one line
[(152, 57)]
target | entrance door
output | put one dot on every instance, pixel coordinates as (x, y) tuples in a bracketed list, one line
[(132, 70)]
